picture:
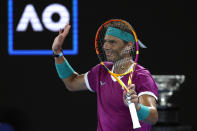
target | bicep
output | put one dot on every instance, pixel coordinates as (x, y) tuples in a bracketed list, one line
[(75, 82), (148, 100)]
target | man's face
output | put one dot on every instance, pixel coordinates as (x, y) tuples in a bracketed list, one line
[(114, 48)]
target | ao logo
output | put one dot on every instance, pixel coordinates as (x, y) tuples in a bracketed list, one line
[(30, 16), (40, 23)]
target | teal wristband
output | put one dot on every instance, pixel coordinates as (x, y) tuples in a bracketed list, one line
[(64, 69), (143, 112)]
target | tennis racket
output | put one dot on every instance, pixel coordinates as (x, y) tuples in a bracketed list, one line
[(123, 30)]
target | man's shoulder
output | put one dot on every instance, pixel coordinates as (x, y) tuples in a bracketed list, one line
[(140, 70)]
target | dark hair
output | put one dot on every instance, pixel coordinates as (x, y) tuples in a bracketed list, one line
[(120, 25)]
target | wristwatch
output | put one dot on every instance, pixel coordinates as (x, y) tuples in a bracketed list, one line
[(58, 55)]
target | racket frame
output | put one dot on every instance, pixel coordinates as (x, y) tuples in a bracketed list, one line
[(131, 106)]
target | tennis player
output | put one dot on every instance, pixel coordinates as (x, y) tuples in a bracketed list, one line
[(113, 112)]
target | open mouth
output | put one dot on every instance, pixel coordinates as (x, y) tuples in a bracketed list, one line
[(109, 56), (108, 53)]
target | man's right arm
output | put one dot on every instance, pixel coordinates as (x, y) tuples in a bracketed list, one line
[(74, 81)]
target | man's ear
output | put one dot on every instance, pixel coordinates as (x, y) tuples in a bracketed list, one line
[(130, 43)]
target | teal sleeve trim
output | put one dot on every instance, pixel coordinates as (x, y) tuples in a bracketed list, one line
[(143, 112), (64, 69)]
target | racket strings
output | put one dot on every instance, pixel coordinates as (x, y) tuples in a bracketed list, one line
[(127, 54), (123, 61), (101, 40)]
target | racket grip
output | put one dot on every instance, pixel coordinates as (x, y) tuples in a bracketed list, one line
[(134, 116)]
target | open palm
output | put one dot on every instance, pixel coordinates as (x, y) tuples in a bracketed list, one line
[(59, 40)]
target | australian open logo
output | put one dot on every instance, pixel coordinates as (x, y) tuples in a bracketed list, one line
[(31, 27)]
